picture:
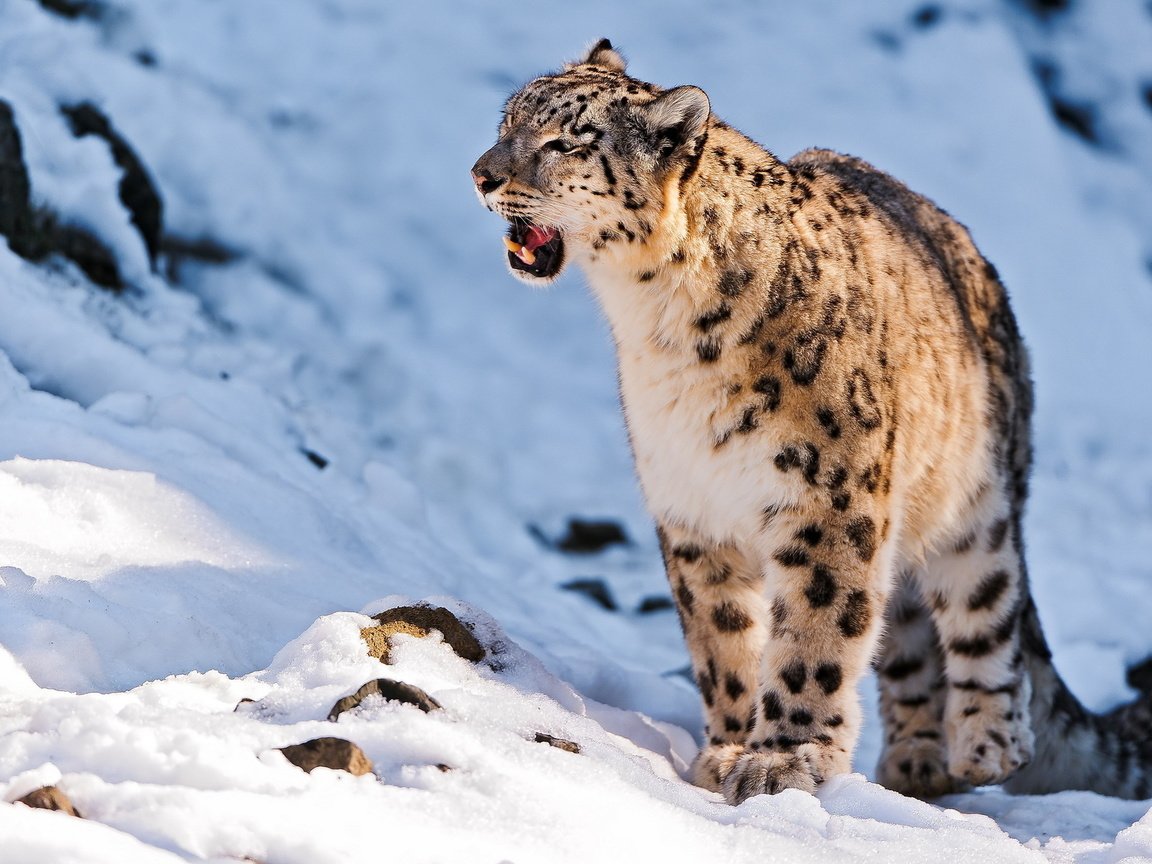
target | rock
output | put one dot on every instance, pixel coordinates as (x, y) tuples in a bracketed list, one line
[(335, 753), (419, 621), (655, 603), (89, 253), (16, 222), (36, 234), (596, 590), (138, 192), (315, 458), (74, 9), (394, 691), (558, 743), (586, 536), (49, 798), (177, 251), (1140, 676)]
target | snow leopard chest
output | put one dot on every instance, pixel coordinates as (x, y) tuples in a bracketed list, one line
[(694, 472)]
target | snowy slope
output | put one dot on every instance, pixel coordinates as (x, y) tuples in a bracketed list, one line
[(331, 295)]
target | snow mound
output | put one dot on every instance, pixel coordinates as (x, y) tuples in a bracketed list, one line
[(187, 768)]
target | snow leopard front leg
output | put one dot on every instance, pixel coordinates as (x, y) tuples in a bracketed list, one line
[(813, 620), (718, 593)]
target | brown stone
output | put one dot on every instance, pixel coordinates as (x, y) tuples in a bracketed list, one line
[(558, 743), (394, 691), (49, 798), (419, 621), (335, 753)]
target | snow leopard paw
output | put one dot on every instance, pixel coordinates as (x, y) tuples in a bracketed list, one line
[(917, 767), (739, 773)]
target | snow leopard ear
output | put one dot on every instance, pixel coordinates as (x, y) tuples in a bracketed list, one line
[(604, 55), (675, 118)]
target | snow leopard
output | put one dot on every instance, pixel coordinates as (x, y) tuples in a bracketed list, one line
[(828, 402)]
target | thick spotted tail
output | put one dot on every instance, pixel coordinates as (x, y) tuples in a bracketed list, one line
[(1075, 748)]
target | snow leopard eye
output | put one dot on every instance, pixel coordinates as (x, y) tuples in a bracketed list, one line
[(561, 146)]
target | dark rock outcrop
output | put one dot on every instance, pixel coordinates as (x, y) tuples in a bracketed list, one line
[(419, 621), (138, 192)]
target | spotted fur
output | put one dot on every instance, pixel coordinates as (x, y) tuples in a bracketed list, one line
[(829, 407)]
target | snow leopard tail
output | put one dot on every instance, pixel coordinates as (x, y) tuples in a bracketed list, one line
[(1076, 749)]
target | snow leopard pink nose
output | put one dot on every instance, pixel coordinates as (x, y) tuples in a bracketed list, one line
[(485, 181)]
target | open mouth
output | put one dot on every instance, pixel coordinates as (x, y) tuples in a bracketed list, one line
[(534, 250)]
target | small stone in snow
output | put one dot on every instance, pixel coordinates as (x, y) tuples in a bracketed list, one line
[(586, 536), (655, 603), (393, 691), (335, 753), (558, 743), (596, 590), (49, 798)]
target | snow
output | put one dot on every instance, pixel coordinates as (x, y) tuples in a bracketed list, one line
[(168, 547)]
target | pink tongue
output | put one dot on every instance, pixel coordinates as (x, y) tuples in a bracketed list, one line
[(537, 237)]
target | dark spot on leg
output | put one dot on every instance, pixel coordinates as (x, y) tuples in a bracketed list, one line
[(855, 618), (792, 556), (687, 600), (733, 686), (707, 687), (730, 618), (810, 534), (800, 717), (794, 676), (689, 552), (821, 590), (828, 676), (861, 533), (773, 708)]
